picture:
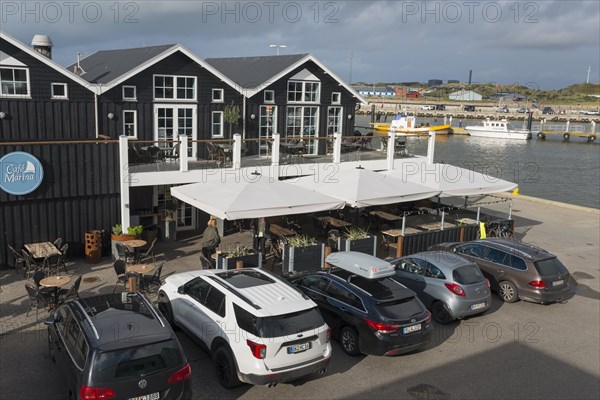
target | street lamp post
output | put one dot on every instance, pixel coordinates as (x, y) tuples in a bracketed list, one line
[(277, 46)]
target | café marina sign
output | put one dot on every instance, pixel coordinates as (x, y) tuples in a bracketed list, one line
[(21, 173)]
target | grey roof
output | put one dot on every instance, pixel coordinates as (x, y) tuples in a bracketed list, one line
[(250, 72), (107, 65)]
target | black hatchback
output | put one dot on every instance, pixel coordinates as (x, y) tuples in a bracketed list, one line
[(368, 312), (117, 346)]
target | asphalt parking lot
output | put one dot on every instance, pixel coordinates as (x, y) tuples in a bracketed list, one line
[(513, 351)]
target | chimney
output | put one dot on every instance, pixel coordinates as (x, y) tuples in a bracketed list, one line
[(43, 45), (77, 68)]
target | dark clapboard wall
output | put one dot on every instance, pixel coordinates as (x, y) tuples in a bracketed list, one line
[(79, 192)]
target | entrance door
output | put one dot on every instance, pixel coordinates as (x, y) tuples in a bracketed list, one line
[(174, 120), (267, 125), (185, 214)]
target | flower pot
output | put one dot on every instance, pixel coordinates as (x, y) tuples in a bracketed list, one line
[(248, 261), (367, 245), (302, 259)]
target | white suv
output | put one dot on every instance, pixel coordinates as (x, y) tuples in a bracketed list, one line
[(259, 329)]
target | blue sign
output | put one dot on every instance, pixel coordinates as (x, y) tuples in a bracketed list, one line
[(20, 173)]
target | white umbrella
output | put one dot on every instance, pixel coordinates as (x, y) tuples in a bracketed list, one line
[(360, 187), (450, 180), (238, 197)]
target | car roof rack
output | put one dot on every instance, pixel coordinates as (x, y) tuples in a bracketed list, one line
[(88, 319), (361, 264)]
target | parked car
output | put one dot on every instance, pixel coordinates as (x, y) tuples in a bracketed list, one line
[(547, 110), (117, 346), (469, 108), (368, 312), (517, 270), (522, 110), (590, 112), (428, 108), (450, 286), (502, 109), (439, 107), (258, 328)]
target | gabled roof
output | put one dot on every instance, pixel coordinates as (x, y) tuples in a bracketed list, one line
[(45, 60), (106, 65), (254, 74), (110, 68)]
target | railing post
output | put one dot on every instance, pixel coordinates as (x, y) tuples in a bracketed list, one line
[(442, 224), (391, 150), (237, 150), (275, 155), (183, 153), (431, 147), (568, 126), (125, 179), (337, 147)]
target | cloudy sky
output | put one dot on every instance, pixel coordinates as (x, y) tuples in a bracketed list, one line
[(546, 44)]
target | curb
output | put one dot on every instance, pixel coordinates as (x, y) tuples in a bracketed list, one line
[(538, 200)]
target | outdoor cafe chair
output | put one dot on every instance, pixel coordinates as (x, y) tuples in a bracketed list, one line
[(366, 140), (120, 267), (58, 242), (38, 299), (124, 253), (19, 258), (172, 154), (31, 265), (152, 280), (71, 293), (149, 253)]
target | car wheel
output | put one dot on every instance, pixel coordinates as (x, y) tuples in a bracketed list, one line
[(225, 368), (51, 347), (349, 341), (440, 313), (508, 292), (165, 308)]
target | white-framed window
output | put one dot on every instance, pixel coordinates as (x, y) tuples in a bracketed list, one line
[(336, 98), (269, 96), (304, 91), (172, 87), (14, 81), (334, 120), (129, 93), (218, 95), (59, 91), (216, 124), (130, 123), (267, 124), (303, 122)]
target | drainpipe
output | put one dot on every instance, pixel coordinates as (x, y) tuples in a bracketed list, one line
[(97, 128), (244, 116)]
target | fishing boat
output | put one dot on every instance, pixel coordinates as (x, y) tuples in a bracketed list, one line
[(498, 129), (406, 124)]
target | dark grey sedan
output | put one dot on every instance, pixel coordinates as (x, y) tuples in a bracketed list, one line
[(449, 285)]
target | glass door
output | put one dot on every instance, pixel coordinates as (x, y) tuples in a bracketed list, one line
[(267, 125), (185, 215), (174, 120)]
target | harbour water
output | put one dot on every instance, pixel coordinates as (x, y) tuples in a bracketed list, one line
[(550, 169)]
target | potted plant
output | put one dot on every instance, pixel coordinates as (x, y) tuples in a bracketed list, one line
[(302, 253), (136, 231), (117, 235), (247, 256), (170, 223), (357, 239), (231, 115)]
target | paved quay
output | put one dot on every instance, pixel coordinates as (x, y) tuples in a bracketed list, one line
[(516, 351)]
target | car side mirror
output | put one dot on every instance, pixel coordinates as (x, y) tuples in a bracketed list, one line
[(49, 321), (455, 250), (181, 289)]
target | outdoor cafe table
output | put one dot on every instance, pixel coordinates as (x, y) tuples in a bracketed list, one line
[(397, 233), (334, 222), (466, 221), (56, 282), (386, 215), (42, 250), (281, 231), (135, 244), (138, 269), (293, 149), (434, 226)]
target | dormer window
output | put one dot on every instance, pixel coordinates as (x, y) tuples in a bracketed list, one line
[(304, 92)]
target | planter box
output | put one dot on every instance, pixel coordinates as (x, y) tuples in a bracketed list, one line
[(250, 261), (303, 259), (169, 232), (118, 238), (367, 245)]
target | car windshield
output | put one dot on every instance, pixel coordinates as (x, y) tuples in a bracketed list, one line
[(550, 267), (290, 324), (137, 362), (401, 310), (467, 275)]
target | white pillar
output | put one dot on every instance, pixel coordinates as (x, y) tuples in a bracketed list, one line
[(183, 153), (125, 179), (275, 155), (445, 119), (443, 217), (237, 150), (391, 150), (450, 120), (337, 147), (568, 126), (593, 126), (431, 147)]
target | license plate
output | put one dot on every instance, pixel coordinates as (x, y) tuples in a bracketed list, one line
[(410, 329), (298, 348), (151, 396), (477, 306), (558, 283)]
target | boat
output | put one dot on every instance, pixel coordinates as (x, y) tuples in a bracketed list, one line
[(498, 129), (406, 124)]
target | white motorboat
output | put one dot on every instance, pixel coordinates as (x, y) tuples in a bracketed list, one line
[(498, 129)]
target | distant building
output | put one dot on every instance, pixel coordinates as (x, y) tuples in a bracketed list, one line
[(378, 91), (434, 82), (453, 81), (465, 95), (407, 92)]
